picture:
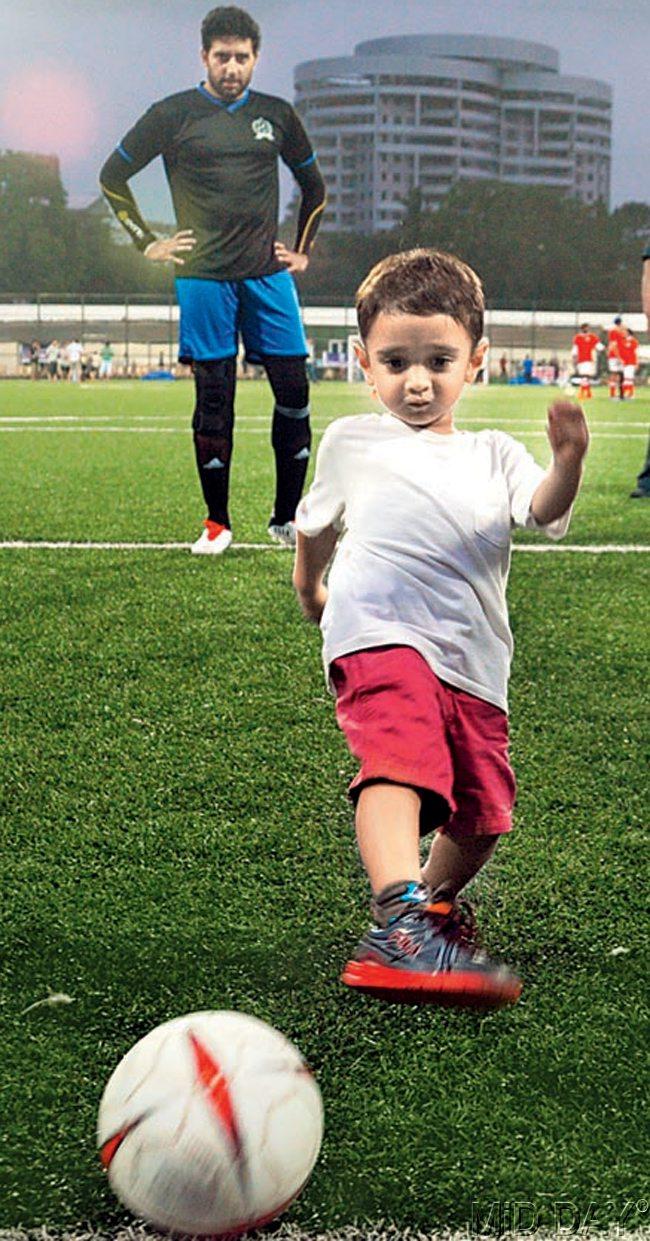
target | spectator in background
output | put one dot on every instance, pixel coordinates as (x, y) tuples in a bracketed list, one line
[(527, 369), (503, 369), (629, 351), (74, 352), (615, 334), (34, 359), (106, 361), (52, 360), (584, 351)]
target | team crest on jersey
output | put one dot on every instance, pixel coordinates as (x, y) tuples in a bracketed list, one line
[(262, 128)]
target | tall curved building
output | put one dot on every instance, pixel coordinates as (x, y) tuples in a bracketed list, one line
[(427, 110)]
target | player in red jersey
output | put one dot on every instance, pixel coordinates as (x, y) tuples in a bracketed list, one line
[(616, 333), (586, 345), (629, 352)]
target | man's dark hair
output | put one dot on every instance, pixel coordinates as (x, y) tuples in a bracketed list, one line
[(229, 22), (422, 282)]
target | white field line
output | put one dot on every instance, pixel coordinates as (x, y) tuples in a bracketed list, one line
[(90, 418), (595, 435), (593, 549)]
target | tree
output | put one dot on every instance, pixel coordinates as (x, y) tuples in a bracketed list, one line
[(32, 220)]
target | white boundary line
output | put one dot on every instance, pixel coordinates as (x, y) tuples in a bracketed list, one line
[(370, 1232), (596, 435), (593, 549), (87, 416)]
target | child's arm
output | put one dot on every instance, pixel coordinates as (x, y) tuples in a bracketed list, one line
[(569, 438), (312, 558)]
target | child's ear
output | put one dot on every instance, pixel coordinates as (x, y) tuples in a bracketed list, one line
[(364, 362), (477, 359)]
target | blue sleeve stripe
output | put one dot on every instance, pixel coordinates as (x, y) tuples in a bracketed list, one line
[(125, 155), (306, 162)]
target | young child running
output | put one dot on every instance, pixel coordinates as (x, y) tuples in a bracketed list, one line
[(416, 642)]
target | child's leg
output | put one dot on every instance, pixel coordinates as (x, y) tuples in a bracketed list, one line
[(453, 862), (388, 834)]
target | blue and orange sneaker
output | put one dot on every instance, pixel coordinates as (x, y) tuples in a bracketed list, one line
[(427, 955)]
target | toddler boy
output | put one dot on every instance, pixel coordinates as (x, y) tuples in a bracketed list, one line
[(416, 641)]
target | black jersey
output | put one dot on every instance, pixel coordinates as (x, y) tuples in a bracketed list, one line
[(221, 162)]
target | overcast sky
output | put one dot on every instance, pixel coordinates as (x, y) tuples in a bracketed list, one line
[(75, 74)]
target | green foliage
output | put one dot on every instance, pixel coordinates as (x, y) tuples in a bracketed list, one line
[(531, 247), (47, 247)]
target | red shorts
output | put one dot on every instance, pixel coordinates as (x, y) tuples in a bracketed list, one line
[(408, 727)]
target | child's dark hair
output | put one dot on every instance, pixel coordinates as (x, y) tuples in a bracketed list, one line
[(422, 282), (229, 22)]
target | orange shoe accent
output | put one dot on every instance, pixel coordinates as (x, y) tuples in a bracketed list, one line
[(214, 529), (443, 908), (447, 988)]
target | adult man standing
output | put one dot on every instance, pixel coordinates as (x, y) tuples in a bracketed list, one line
[(220, 143)]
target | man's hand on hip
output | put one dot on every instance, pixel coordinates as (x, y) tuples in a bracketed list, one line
[(169, 248), (293, 260)]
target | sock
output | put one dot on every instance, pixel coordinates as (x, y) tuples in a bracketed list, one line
[(212, 423), (291, 439), (213, 464), (396, 899), (444, 892), (291, 432)]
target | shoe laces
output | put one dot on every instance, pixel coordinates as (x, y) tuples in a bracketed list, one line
[(457, 920)]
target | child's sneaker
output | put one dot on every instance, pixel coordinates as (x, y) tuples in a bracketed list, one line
[(285, 534), (214, 540), (426, 956)]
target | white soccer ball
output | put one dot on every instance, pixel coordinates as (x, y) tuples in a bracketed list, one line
[(212, 1123)]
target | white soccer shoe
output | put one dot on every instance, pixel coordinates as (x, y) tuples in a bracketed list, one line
[(286, 534), (214, 540)]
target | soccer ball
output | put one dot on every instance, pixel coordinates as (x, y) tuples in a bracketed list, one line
[(212, 1123)]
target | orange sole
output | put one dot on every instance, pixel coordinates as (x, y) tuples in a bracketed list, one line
[(451, 989)]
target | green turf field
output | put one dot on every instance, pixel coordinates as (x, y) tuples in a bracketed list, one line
[(177, 834)]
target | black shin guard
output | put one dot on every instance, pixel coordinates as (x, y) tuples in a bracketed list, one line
[(212, 423), (291, 433)]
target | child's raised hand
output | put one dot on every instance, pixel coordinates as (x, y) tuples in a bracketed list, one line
[(567, 431)]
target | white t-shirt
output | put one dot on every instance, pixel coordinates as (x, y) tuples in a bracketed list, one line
[(425, 555)]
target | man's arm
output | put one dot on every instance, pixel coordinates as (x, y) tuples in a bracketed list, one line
[(141, 145), (299, 157), (312, 558), (569, 439), (312, 205), (113, 180)]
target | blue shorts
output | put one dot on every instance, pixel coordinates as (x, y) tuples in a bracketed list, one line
[(265, 310)]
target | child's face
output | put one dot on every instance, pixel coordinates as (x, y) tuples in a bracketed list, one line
[(418, 366)]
